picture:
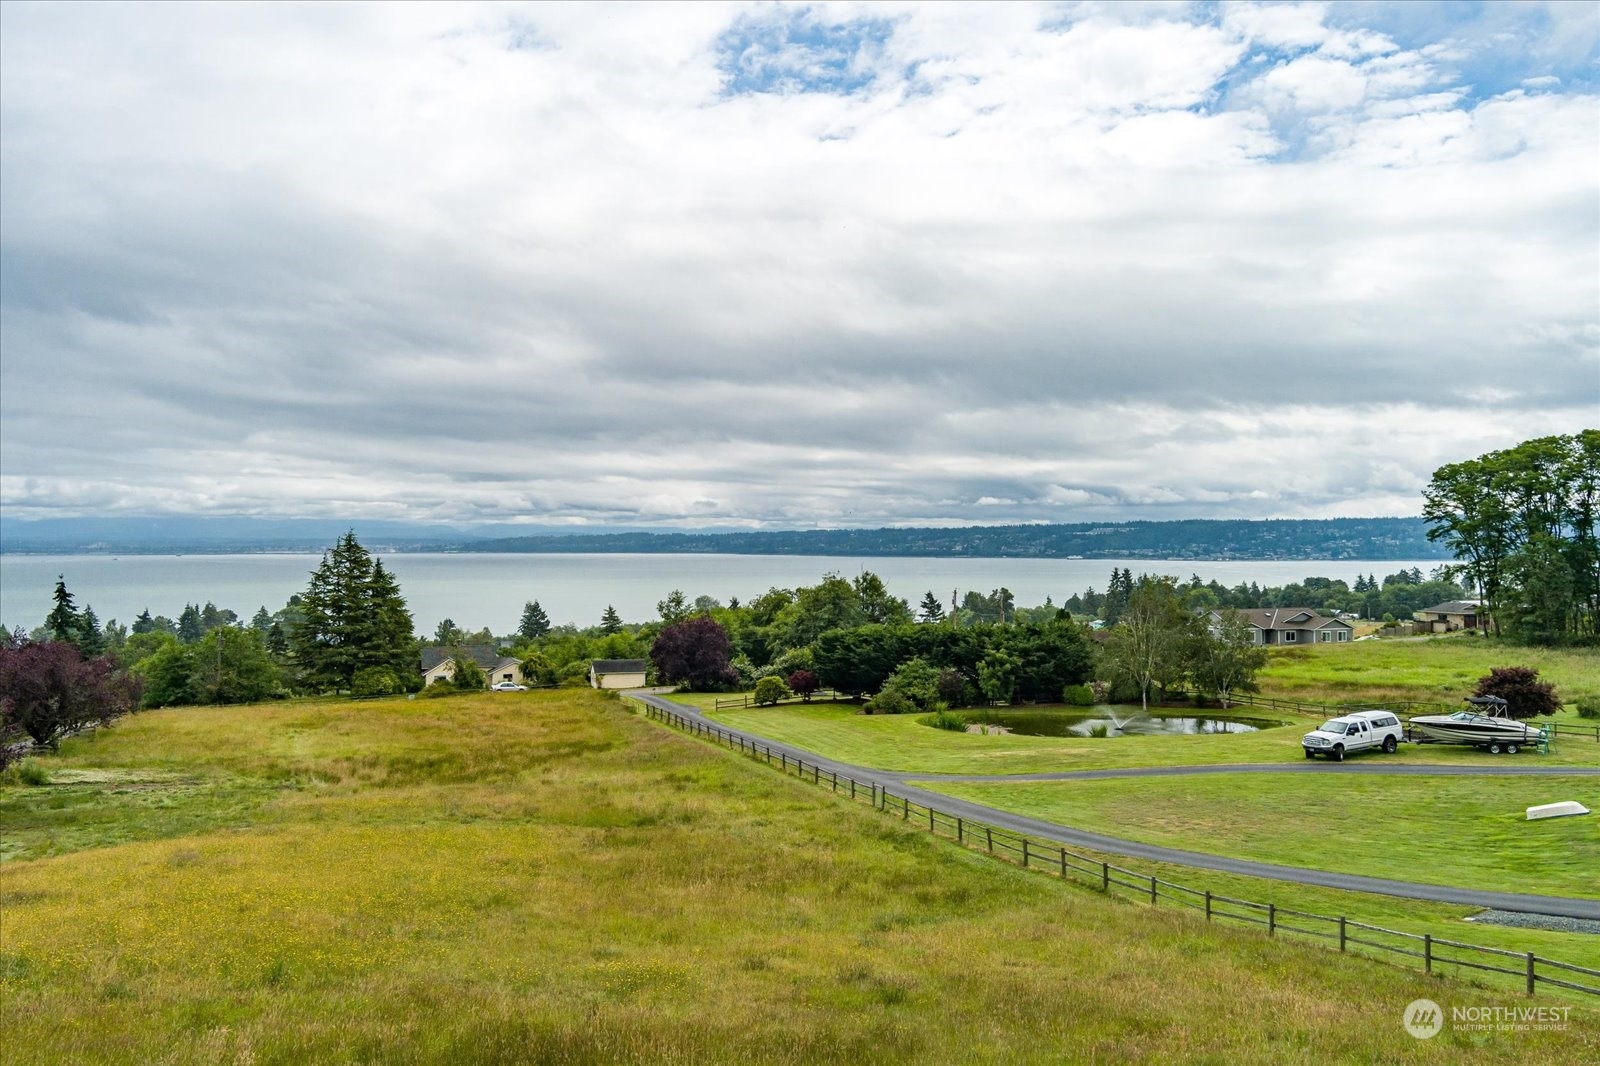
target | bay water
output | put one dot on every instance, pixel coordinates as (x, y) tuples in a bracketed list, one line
[(489, 590)]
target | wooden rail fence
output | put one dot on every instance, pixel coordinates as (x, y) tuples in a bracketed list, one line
[(1435, 953)]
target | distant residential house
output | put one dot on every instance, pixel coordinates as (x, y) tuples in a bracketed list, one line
[(1275, 626), (439, 663), (1449, 616), (618, 673)]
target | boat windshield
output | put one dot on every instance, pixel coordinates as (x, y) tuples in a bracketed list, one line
[(1466, 716), (1333, 725)]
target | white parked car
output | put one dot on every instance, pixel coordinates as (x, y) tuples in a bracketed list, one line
[(1361, 731), (507, 686)]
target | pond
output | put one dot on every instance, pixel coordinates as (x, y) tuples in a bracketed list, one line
[(1117, 722)]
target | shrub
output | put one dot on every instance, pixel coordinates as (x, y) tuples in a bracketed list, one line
[(891, 701), (1589, 707), (769, 690), (803, 683), (1078, 696), (1525, 695), (917, 681), (438, 690), (26, 772), (375, 681), (952, 687), (944, 718)]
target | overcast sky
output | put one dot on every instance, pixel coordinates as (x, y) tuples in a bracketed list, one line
[(790, 266)]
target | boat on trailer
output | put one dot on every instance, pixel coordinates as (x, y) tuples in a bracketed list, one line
[(1486, 725)]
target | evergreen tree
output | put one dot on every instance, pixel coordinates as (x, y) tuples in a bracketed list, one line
[(610, 621), (64, 624), (535, 623), (262, 621), (395, 642), (931, 609), (277, 642), (190, 629), (91, 641), (353, 617), (447, 633), (144, 623)]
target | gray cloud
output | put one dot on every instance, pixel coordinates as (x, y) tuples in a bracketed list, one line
[(412, 263)]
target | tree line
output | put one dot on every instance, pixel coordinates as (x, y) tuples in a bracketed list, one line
[(1521, 523)]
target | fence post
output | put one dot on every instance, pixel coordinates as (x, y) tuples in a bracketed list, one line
[(1152, 890), (960, 833), (1341, 932), (852, 788), (1105, 877), (785, 757), (1272, 918), (905, 810), (988, 839), (1024, 852), (1427, 953), (1063, 864), (930, 819), (1531, 977), (1208, 904)]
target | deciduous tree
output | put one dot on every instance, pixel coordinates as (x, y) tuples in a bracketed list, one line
[(1525, 695), (695, 652)]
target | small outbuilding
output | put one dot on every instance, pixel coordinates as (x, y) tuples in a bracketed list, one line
[(1450, 616), (618, 673)]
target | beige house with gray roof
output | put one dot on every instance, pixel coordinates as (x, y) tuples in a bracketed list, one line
[(1278, 626)]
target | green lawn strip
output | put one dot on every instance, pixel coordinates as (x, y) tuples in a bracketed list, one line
[(1442, 669), (1467, 832), (903, 743), (612, 890)]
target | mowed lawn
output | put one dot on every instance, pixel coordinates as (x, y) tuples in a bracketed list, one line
[(548, 878), (903, 743), (1462, 831), (1437, 669)]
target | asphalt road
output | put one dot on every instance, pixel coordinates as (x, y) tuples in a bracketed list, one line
[(1567, 907)]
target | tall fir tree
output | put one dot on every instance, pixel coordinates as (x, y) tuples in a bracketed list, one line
[(931, 609), (91, 640), (354, 617), (64, 623), (610, 621), (535, 623), (190, 628)]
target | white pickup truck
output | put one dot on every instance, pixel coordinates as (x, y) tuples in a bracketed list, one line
[(1338, 737)]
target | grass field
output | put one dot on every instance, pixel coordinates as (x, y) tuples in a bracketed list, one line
[(1441, 669), (1467, 832), (547, 878)]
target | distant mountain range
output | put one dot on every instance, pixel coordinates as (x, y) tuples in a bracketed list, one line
[(1330, 538)]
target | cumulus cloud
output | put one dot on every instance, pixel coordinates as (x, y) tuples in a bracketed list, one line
[(789, 265)]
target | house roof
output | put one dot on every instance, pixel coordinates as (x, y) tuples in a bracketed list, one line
[(1280, 618), (484, 655), (1454, 607), (620, 666)]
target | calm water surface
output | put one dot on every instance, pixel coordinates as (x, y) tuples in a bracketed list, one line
[(489, 590)]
